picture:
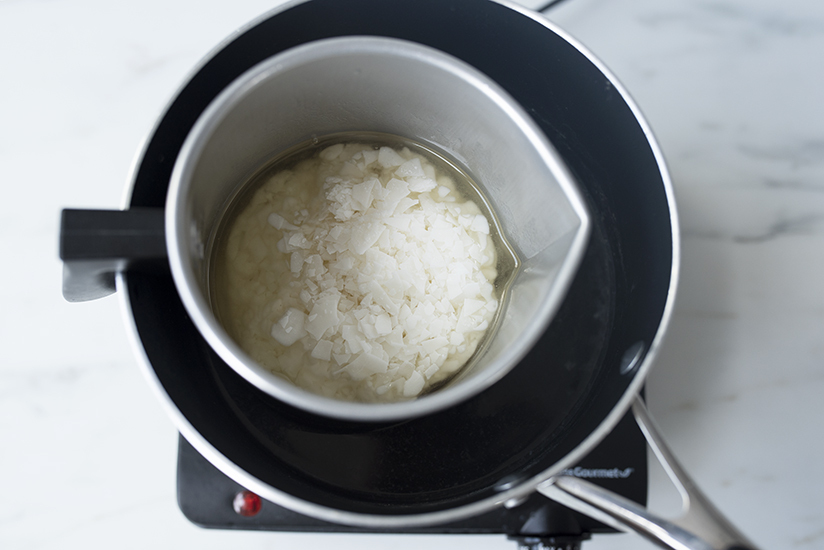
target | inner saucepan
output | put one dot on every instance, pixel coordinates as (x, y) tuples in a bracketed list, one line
[(391, 97)]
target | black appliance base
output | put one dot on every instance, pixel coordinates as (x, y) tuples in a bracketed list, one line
[(619, 463)]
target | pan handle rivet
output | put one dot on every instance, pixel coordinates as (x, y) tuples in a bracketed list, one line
[(508, 482), (514, 502), (632, 357)]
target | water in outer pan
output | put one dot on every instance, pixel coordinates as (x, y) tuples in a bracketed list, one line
[(467, 190)]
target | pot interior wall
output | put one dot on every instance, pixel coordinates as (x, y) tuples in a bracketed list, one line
[(549, 403)]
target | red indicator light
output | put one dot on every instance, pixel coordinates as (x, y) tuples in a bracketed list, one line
[(247, 503)]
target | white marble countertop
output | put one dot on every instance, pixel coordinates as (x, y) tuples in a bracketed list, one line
[(732, 89)]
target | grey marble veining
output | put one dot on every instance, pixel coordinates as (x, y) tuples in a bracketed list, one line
[(731, 88)]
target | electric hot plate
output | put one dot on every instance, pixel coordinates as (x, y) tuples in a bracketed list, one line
[(536, 416)]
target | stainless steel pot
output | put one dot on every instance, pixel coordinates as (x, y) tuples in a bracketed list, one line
[(521, 433), (401, 88)]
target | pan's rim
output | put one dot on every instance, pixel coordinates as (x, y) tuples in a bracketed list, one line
[(514, 494)]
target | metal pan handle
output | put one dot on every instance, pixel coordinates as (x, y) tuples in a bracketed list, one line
[(96, 244), (701, 527)]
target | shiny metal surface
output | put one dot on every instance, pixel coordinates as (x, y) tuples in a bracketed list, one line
[(400, 88), (701, 527)]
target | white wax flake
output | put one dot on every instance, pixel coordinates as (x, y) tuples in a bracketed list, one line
[(421, 185), (414, 385), (388, 158), (351, 170), (365, 365), (383, 324), (369, 156), (403, 205), (431, 370), (385, 273), (297, 240), (322, 350), (332, 152), (365, 235), (411, 169), (471, 306), (433, 344), (454, 286), (362, 193), (480, 224), (352, 337), (395, 191), (279, 222), (289, 329), (381, 298), (324, 314)]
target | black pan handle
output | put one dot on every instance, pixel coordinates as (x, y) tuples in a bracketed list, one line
[(702, 527), (96, 244)]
